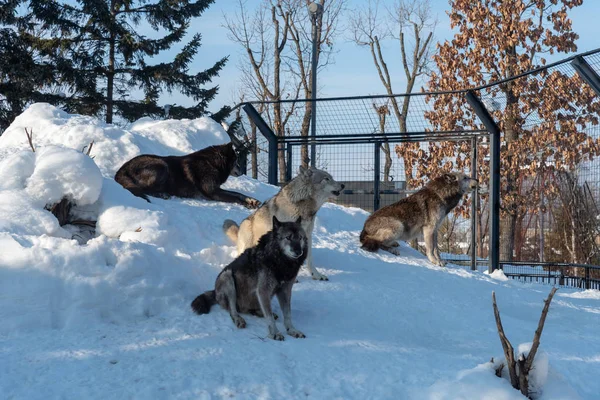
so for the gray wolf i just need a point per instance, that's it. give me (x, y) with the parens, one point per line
(421, 212)
(196, 175)
(301, 197)
(269, 269)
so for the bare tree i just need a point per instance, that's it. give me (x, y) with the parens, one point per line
(276, 39)
(411, 24)
(263, 37)
(299, 60)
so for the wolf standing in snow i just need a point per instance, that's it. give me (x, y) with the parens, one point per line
(421, 212)
(248, 284)
(196, 175)
(301, 197)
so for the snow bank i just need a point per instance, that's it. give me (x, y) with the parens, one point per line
(108, 315)
(113, 146)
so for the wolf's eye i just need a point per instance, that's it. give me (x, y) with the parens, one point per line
(326, 179)
(289, 237)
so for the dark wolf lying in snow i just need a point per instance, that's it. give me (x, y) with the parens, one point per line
(248, 284)
(196, 175)
(421, 212)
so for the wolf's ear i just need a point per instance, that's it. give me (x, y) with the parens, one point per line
(304, 171)
(276, 223)
(299, 220)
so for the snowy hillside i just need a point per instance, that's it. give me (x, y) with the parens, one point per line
(110, 319)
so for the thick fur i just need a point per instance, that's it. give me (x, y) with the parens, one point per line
(421, 212)
(195, 175)
(301, 197)
(269, 269)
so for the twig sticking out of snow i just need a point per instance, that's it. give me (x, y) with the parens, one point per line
(509, 352)
(520, 381)
(89, 148)
(29, 134)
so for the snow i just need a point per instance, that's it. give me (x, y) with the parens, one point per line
(107, 315)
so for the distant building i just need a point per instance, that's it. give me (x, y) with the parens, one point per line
(361, 194)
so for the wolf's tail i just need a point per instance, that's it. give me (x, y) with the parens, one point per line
(231, 229)
(368, 243)
(203, 303)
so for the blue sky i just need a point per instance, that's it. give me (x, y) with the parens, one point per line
(352, 72)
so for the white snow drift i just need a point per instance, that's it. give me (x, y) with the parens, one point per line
(109, 317)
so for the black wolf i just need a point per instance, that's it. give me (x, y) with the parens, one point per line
(196, 175)
(248, 284)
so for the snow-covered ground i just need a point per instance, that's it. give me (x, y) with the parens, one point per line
(110, 318)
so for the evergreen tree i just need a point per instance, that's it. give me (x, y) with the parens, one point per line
(101, 54)
(24, 78)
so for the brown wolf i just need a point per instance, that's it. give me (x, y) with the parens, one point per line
(196, 175)
(421, 212)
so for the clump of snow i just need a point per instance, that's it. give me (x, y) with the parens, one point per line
(61, 172)
(497, 275)
(538, 375)
(113, 146)
(108, 315)
(481, 383)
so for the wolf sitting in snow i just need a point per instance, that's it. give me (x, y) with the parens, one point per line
(303, 196)
(196, 175)
(248, 284)
(421, 212)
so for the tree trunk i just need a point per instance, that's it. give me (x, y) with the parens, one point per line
(110, 76)
(279, 132)
(388, 162)
(306, 120)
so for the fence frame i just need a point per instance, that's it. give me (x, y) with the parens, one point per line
(286, 143)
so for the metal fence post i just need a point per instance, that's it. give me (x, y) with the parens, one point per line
(376, 177)
(587, 278)
(288, 165)
(494, 192)
(474, 205)
(587, 73)
(271, 138)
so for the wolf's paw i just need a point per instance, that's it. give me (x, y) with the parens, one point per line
(295, 333)
(393, 250)
(252, 203)
(317, 276)
(439, 263)
(239, 322)
(276, 336)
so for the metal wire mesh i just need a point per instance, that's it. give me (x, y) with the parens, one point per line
(353, 135)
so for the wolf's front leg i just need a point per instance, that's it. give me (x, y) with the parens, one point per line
(264, 299)
(430, 246)
(234, 197)
(285, 299)
(436, 249)
(316, 275)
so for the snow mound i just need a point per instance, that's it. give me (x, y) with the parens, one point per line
(113, 146)
(108, 315)
(481, 383)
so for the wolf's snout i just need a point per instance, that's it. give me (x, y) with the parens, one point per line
(236, 170)
(474, 184)
(338, 192)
